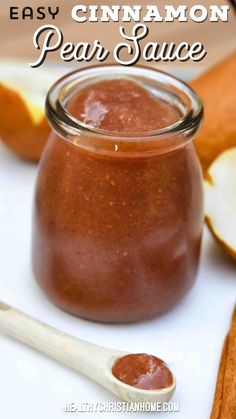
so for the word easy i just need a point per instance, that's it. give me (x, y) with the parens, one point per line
(31, 13)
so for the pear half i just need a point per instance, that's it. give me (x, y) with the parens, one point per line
(220, 200)
(23, 125)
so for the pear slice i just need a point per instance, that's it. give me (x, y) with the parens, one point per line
(220, 200)
(216, 87)
(23, 125)
(31, 85)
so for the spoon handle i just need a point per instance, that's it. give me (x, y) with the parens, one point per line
(84, 357)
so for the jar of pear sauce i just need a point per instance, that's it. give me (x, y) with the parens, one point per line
(117, 239)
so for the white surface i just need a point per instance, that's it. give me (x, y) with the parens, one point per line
(189, 338)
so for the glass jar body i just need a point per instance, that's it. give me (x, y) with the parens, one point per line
(116, 239)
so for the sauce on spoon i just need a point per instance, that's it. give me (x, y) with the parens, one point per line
(143, 371)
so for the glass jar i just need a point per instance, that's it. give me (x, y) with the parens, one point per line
(118, 217)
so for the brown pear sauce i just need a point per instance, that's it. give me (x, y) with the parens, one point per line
(143, 371)
(121, 106)
(117, 236)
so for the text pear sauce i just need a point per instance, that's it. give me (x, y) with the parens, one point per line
(117, 239)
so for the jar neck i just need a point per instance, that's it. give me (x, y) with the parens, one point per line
(161, 85)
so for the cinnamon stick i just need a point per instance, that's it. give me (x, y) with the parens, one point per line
(224, 405)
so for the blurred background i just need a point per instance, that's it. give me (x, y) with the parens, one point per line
(16, 35)
(23, 89)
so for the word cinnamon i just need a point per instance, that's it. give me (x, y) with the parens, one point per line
(224, 405)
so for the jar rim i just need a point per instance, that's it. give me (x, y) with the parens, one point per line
(64, 123)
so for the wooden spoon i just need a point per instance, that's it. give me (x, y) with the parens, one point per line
(86, 358)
